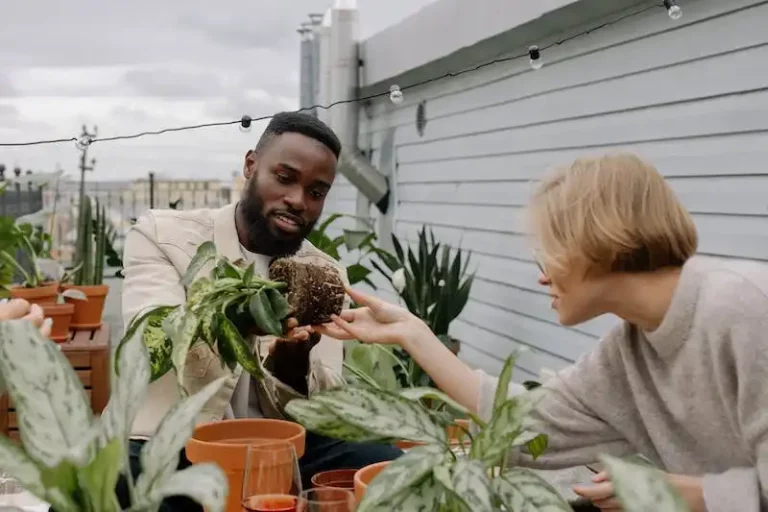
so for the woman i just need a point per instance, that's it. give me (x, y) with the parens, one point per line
(682, 380)
(20, 308)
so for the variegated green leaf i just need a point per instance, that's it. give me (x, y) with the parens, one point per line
(472, 485)
(497, 437)
(641, 488)
(182, 330)
(502, 390)
(197, 291)
(522, 490)
(160, 455)
(402, 473)
(149, 323)
(383, 414)
(425, 496)
(100, 477)
(205, 483)
(418, 394)
(319, 419)
(51, 405)
(205, 253)
(16, 463)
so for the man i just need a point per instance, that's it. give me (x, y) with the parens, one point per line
(288, 177)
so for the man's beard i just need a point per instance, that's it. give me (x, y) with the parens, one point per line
(260, 237)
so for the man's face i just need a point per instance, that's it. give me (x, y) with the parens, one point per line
(286, 186)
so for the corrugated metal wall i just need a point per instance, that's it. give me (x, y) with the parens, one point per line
(692, 96)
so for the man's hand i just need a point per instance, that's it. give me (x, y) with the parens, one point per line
(288, 357)
(20, 308)
(602, 496)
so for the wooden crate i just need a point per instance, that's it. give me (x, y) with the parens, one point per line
(88, 352)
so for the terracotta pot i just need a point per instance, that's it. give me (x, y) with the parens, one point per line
(453, 432)
(226, 442)
(336, 479)
(45, 294)
(365, 476)
(88, 312)
(61, 314)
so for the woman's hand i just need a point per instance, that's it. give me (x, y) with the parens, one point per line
(602, 495)
(20, 308)
(376, 321)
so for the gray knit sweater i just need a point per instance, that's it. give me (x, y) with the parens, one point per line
(692, 396)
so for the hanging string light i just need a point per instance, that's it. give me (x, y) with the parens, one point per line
(395, 92)
(673, 10)
(534, 57)
(245, 123)
(395, 95)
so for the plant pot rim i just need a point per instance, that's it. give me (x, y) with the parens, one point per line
(360, 485)
(45, 284)
(88, 289)
(60, 309)
(339, 475)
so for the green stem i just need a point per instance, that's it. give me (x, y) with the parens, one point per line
(361, 375)
(397, 361)
(15, 264)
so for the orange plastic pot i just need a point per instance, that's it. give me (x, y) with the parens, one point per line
(454, 432)
(88, 312)
(45, 294)
(335, 479)
(365, 476)
(225, 443)
(61, 315)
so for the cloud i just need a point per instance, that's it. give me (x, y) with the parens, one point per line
(176, 82)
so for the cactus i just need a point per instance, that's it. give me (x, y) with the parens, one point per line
(91, 245)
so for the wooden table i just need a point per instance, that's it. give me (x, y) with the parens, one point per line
(89, 354)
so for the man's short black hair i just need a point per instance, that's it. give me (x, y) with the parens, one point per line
(305, 124)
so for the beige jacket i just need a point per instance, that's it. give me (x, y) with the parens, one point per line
(158, 250)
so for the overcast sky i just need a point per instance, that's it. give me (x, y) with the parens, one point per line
(134, 66)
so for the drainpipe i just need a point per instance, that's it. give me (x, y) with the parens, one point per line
(323, 36)
(306, 69)
(343, 84)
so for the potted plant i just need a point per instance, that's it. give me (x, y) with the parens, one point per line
(72, 460)
(17, 244)
(434, 283)
(473, 477)
(88, 276)
(61, 313)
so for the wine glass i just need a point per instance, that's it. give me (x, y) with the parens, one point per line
(271, 478)
(326, 499)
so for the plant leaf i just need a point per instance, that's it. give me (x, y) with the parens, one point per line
(100, 476)
(280, 306)
(357, 273)
(74, 294)
(418, 394)
(535, 443)
(248, 275)
(402, 473)
(374, 362)
(183, 329)
(229, 334)
(497, 436)
(472, 486)
(502, 390)
(205, 253)
(522, 489)
(14, 462)
(382, 413)
(51, 405)
(150, 322)
(425, 496)
(319, 419)
(160, 455)
(263, 314)
(641, 488)
(205, 483)
(354, 239)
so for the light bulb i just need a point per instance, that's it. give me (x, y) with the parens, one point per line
(245, 124)
(395, 95)
(83, 142)
(535, 57)
(675, 11)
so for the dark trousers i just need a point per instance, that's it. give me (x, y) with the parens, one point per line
(321, 454)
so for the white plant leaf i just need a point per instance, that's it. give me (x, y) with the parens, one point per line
(383, 414)
(181, 327)
(16, 463)
(160, 455)
(402, 473)
(522, 489)
(641, 488)
(205, 483)
(129, 389)
(471, 485)
(51, 405)
(75, 294)
(320, 419)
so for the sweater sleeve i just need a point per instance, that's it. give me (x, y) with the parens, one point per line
(566, 413)
(745, 489)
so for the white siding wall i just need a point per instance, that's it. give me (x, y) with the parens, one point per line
(341, 199)
(692, 96)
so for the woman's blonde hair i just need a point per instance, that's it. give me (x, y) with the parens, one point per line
(613, 212)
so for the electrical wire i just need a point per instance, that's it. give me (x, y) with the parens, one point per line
(532, 53)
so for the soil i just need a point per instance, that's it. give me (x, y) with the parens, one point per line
(315, 292)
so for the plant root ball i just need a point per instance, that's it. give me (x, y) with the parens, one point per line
(315, 292)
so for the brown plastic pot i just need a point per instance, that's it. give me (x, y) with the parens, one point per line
(61, 315)
(335, 479)
(45, 294)
(453, 432)
(225, 443)
(88, 313)
(365, 476)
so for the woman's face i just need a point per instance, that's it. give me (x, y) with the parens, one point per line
(577, 294)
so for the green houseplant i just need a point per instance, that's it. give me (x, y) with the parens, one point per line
(72, 460)
(22, 240)
(357, 242)
(474, 477)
